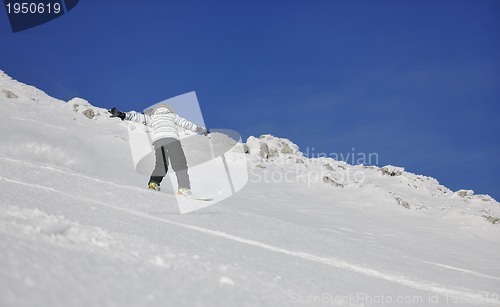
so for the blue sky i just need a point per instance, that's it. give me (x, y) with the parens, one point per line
(417, 82)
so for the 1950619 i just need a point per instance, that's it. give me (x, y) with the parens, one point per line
(33, 8)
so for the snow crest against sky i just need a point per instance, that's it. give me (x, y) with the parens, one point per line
(416, 82)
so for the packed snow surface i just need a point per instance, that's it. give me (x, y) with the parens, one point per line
(79, 228)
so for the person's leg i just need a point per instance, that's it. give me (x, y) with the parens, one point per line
(161, 165)
(179, 163)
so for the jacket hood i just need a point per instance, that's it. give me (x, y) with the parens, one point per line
(157, 107)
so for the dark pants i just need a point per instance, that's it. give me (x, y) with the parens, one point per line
(170, 149)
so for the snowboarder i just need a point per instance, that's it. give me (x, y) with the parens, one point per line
(164, 122)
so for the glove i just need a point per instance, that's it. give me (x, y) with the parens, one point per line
(116, 113)
(202, 130)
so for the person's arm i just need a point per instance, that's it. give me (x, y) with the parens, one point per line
(186, 124)
(138, 118)
(130, 116)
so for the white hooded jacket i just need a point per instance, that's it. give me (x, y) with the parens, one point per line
(163, 121)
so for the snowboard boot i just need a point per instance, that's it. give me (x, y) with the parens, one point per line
(154, 186)
(184, 192)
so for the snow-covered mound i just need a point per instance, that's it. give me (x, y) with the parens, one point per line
(79, 228)
(390, 184)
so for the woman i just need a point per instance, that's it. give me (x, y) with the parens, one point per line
(164, 122)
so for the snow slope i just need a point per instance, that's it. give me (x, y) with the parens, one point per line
(78, 227)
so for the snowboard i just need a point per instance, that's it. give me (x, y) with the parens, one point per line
(199, 198)
(190, 197)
